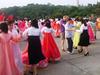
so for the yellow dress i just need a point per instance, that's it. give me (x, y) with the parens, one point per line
(76, 35)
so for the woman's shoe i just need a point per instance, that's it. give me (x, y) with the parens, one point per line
(80, 51)
(86, 54)
(26, 73)
(63, 50)
(31, 72)
(75, 47)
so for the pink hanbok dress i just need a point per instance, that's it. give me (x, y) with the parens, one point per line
(91, 33)
(16, 50)
(7, 62)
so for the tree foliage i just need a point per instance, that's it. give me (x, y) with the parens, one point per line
(52, 11)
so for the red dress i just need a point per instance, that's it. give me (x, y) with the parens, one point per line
(50, 48)
(1, 18)
(57, 33)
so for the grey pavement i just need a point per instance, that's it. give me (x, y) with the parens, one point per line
(76, 64)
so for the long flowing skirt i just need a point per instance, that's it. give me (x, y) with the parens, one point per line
(25, 59)
(50, 48)
(91, 34)
(7, 62)
(34, 50)
(17, 56)
(84, 38)
(76, 39)
(57, 30)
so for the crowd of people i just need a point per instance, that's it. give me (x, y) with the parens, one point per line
(41, 46)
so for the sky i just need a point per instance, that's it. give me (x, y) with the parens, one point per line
(10, 3)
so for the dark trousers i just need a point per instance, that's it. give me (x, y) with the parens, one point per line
(70, 44)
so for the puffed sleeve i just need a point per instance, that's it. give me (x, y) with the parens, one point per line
(42, 30)
(81, 28)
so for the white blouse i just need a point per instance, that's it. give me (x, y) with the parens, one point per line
(83, 28)
(31, 31)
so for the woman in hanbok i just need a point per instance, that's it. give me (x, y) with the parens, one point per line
(91, 33)
(53, 24)
(7, 62)
(41, 64)
(35, 54)
(57, 30)
(84, 39)
(25, 57)
(50, 48)
(15, 45)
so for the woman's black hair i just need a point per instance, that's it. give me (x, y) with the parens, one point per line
(47, 23)
(34, 23)
(42, 23)
(10, 22)
(4, 27)
(77, 19)
(84, 21)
